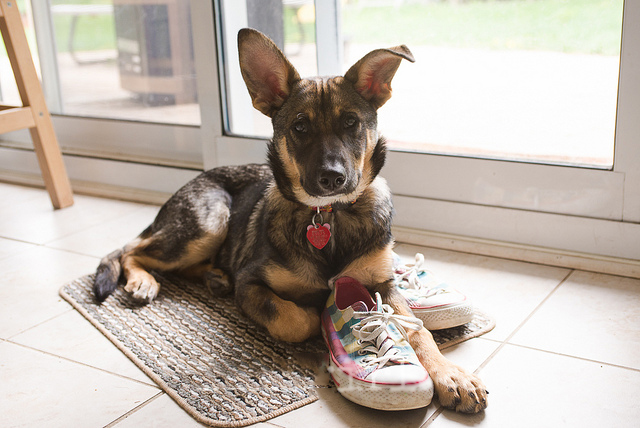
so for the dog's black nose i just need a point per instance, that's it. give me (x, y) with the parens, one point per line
(331, 180)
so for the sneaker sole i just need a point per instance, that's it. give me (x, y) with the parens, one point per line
(447, 317)
(382, 396)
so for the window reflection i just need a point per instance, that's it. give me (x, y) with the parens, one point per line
(126, 59)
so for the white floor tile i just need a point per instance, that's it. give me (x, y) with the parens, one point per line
(16, 195)
(35, 220)
(161, 412)
(9, 247)
(71, 336)
(41, 390)
(507, 290)
(106, 237)
(164, 412)
(333, 410)
(530, 388)
(472, 353)
(592, 316)
(29, 286)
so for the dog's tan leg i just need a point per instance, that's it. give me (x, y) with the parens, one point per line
(373, 268)
(456, 388)
(140, 283)
(283, 319)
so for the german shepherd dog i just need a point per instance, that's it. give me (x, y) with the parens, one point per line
(279, 235)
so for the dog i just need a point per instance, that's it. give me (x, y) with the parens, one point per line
(279, 235)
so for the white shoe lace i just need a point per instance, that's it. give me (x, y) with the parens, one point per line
(373, 332)
(409, 278)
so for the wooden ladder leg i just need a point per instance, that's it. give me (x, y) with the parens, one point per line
(43, 135)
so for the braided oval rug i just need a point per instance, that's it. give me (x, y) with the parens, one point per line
(215, 363)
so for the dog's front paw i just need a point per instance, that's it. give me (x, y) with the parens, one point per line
(459, 390)
(143, 287)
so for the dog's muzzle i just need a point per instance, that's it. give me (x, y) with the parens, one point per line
(331, 180)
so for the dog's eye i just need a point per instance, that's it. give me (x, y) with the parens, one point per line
(350, 121)
(300, 127)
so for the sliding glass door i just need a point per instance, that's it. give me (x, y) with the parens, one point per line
(518, 122)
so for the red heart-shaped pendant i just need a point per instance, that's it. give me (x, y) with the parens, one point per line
(319, 235)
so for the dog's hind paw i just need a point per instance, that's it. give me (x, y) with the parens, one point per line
(143, 287)
(459, 390)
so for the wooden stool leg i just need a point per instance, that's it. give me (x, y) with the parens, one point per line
(51, 164)
(44, 138)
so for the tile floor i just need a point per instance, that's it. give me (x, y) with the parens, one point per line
(565, 351)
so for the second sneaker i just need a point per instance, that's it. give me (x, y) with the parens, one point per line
(436, 303)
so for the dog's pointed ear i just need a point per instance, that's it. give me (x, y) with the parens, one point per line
(268, 75)
(371, 76)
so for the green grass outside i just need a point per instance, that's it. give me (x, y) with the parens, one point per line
(576, 26)
(92, 32)
(292, 28)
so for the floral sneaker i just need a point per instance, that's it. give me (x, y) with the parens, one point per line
(371, 361)
(437, 304)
